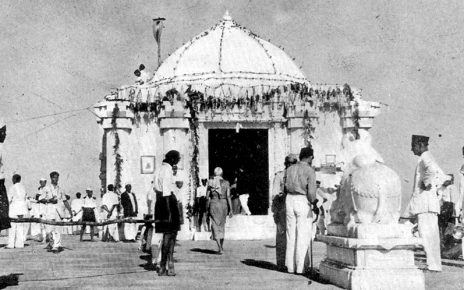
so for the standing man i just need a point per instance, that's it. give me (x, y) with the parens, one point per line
(58, 197)
(300, 184)
(129, 205)
(44, 207)
(278, 209)
(18, 209)
(425, 201)
(89, 205)
(167, 219)
(243, 189)
(110, 203)
(200, 205)
(76, 207)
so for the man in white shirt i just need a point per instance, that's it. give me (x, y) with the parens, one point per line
(89, 205)
(18, 209)
(200, 205)
(110, 203)
(425, 200)
(76, 207)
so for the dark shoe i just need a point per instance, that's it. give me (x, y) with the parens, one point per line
(162, 272)
(171, 271)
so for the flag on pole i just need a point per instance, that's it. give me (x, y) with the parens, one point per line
(157, 28)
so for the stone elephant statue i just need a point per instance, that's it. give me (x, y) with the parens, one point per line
(370, 191)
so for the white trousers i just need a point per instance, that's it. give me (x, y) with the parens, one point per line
(428, 231)
(130, 231)
(244, 203)
(36, 229)
(16, 236)
(298, 232)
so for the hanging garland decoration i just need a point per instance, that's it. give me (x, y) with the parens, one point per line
(118, 160)
(308, 128)
(194, 98)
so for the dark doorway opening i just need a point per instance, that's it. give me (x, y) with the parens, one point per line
(248, 150)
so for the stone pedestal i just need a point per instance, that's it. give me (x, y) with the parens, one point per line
(371, 263)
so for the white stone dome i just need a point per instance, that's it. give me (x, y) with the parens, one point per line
(227, 55)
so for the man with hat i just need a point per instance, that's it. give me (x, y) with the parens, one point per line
(4, 204)
(278, 209)
(88, 212)
(300, 185)
(425, 200)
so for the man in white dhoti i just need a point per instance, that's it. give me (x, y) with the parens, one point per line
(130, 208)
(425, 200)
(300, 184)
(110, 203)
(18, 209)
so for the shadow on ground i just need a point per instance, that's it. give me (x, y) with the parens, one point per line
(9, 280)
(311, 275)
(204, 251)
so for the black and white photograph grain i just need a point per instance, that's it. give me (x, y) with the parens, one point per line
(248, 144)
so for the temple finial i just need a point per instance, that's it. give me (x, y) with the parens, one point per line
(226, 16)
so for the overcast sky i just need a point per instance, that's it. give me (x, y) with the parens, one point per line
(58, 56)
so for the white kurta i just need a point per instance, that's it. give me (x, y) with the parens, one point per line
(164, 180)
(109, 200)
(425, 204)
(18, 207)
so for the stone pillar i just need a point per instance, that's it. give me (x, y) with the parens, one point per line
(122, 125)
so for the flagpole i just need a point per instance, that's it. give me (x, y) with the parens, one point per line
(157, 28)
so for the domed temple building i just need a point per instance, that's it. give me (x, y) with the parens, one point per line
(228, 98)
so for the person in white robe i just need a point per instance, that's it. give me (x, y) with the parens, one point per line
(425, 200)
(35, 206)
(76, 207)
(18, 209)
(110, 203)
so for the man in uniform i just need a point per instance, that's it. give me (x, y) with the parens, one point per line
(300, 185)
(278, 209)
(425, 200)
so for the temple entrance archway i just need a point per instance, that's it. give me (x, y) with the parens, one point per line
(247, 149)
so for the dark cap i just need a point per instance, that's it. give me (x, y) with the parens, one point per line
(306, 152)
(420, 139)
(54, 173)
(137, 72)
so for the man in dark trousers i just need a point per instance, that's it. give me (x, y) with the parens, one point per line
(129, 205)
(167, 218)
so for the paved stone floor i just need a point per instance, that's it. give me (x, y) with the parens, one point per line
(97, 265)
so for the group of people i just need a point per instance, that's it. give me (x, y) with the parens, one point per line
(165, 207)
(435, 204)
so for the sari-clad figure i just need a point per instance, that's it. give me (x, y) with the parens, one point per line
(219, 206)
